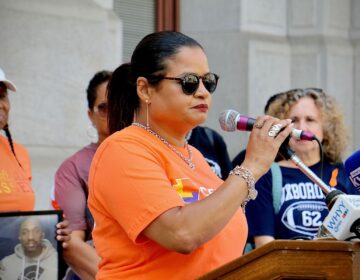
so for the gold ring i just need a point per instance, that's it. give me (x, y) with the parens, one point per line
(274, 130)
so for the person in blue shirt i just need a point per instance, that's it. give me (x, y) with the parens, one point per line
(302, 205)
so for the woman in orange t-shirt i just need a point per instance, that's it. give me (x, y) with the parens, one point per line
(16, 193)
(160, 212)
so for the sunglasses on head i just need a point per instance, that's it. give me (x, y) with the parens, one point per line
(300, 92)
(101, 109)
(190, 82)
(318, 90)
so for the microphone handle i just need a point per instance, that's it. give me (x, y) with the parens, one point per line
(313, 177)
(289, 154)
(244, 123)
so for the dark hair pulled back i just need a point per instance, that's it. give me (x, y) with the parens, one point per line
(147, 59)
(99, 78)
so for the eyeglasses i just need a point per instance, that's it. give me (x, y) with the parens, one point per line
(101, 109)
(190, 82)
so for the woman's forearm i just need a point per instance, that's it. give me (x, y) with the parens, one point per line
(81, 256)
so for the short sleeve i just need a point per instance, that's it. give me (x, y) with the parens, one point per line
(70, 195)
(131, 193)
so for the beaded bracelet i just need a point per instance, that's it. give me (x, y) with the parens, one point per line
(246, 174)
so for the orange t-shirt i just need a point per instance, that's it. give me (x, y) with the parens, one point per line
(16, 193)
(134, 178)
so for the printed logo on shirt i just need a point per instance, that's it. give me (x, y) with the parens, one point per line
(307, 211)
(304, 217)
(6, 184)
(189, 192)
(32, 272)
(307, 190)
(16, 184)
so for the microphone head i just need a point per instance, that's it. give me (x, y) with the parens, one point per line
(352, 168)
(228, 120)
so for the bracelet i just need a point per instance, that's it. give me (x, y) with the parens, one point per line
(246, 174)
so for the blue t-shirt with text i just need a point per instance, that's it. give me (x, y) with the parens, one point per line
(302, 207)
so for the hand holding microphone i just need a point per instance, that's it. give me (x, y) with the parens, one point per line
(264, 141)
(230, 120)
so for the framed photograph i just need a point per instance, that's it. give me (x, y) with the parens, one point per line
(28, 245)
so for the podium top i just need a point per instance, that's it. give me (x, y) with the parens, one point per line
(317, 259)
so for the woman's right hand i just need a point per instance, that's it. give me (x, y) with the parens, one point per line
(63, 233)
(262, 148)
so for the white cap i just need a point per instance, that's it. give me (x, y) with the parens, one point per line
(10, 85)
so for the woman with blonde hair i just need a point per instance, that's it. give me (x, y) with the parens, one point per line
(301, 208)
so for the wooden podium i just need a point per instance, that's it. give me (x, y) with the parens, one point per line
(295, 259)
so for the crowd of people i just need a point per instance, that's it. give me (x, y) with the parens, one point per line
(156, 195)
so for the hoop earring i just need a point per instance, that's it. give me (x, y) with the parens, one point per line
(147, 114)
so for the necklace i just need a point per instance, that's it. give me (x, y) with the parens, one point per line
(171, 147)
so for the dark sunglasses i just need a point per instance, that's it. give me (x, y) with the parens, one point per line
(190, 82)
(101, 109)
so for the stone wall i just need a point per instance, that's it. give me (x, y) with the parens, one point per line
(50, 49)
(261, 47)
